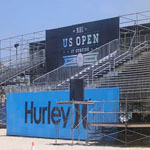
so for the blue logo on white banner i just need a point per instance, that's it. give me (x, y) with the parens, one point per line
(80, 59)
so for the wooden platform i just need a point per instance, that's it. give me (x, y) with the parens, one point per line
(121, 125)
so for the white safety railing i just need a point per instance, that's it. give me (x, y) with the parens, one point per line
(63, 73)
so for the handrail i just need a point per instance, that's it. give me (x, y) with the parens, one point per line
(137, 47)
(20, 58)
(57, 69)
(72, 61)
(50, 75)
(127, 52)
(42, 31)
(84, 73)
(21, 65)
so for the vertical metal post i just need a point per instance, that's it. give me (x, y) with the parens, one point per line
(0, 53)
(87, 126)
(119, 30)
(136, 29)
(103, 121)
(126, 140)
(72, 122)
(103, 110)
(109, 57)
(91, 76)
(1, 112)
(95, 114)
(79, 132)
(56, 130)
(79, 126)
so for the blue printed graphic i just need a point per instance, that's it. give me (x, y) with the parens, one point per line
(37, 114)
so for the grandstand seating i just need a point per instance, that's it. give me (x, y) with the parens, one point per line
(102, 73)
(122, 63)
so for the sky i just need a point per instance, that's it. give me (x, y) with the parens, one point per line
(26, 16)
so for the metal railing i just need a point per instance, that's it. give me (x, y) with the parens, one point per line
(21, 64)
(17, 45)
(137, 50)
(124, 115)
(106, 54)
(60, 77)
(63, 73)
(118, 59)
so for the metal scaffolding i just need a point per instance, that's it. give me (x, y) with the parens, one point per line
(20, 58)
(129, 117)
(134, 30)
(134, 25)
(126, 66)
(72, 116)
(118, 125)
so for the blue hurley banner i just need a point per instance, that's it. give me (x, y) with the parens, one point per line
(37, 114)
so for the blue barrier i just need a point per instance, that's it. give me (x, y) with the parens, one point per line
(37, 115)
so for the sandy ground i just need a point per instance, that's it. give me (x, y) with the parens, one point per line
(23, 143)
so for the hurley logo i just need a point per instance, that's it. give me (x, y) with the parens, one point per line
(49, 114)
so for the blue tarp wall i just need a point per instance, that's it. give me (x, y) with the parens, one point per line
(37, 115)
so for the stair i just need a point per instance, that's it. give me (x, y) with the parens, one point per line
(100, 68)
(94, 74)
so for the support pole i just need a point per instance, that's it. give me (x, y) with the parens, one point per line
(126, 139)
(72, 123)
(87, 126)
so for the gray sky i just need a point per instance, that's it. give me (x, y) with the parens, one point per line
(25, 16)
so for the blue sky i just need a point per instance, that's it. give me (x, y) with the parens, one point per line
(26, 16)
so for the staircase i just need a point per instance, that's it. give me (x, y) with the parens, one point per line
(133, 79)
(93, 73)
(117, 55)
(60, 77)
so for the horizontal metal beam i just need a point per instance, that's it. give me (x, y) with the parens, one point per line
(121, 125)
(139, 112)
(135, 13)
(76, 102)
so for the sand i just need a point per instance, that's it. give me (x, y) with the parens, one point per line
(24, 143)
